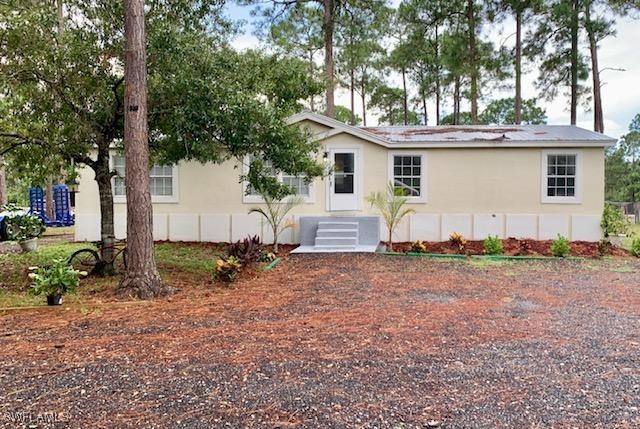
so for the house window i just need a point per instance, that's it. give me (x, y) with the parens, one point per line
(297, 184)
(162, 180)
(407, 174)
(561, 177)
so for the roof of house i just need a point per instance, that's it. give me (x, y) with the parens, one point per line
(462, 136)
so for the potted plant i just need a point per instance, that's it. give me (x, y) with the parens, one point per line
(55, 281)
(25, 229)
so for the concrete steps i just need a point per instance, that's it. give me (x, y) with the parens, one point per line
(336, 235)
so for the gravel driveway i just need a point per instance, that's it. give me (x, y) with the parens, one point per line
(342, 341)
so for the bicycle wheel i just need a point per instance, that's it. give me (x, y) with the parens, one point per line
(84, 260)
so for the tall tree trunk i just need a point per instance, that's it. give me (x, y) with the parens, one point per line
(107, 234)
(311, 73)
(424, 107)
(3, 182)
(438, 90)
(352, 88)
(598, 119)
(327, 27)
(48, 198)
(141, 276)
(574, 61)
(518, 66)
(363, 88)
(405, 105)
(473, 60)
(456, 101)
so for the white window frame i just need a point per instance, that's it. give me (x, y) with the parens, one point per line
(159, 199)
(257, 199)
(544, 174)
(422, 199)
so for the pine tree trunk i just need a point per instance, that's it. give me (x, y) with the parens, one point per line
(574, 61)
(518, 69)
(3, 182)
(352, 87)
(473, 60)
(364, 103)
(456, 101)
(438, 91)
(48, 198)
(107, 234)
(311, 69)
(405, 105)
(598, 119)
(424, 107)
(141, 276)
(327, 27)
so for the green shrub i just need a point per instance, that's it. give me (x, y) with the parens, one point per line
(58, 279)
(493, 246)
(24, 227)
(635, 247)
(418, 246)
(227, 268)
(560, 247)
(613, 221)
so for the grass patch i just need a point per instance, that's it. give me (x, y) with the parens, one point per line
(483, 263)
(192, 258)
(61, 230)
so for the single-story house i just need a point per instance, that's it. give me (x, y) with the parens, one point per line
(524, 181)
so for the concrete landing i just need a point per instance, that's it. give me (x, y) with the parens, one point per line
(359, 248)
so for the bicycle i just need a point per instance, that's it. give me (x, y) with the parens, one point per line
(93, 262)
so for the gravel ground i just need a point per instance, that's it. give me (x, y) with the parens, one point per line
(342, 341)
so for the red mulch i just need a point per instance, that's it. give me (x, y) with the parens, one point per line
(515, 247)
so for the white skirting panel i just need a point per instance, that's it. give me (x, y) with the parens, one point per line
(424, 227)
(585, 228)
(460, 223)
(184, 227)
(485, 225)
(215, 228)
(521, 226)
(243, 225)
(550, 225)
(120, 226)
(218, 227)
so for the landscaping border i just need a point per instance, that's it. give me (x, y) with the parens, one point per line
(488, 257)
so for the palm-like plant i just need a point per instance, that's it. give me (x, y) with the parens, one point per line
(391, 205)
(275, 212)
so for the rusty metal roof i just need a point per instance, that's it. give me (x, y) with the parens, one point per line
(486, 133)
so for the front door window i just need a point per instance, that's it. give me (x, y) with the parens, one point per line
(343, 173)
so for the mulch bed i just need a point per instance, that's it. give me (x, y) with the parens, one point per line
(342, 341)
(515, 247)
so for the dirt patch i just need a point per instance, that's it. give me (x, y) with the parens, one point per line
(342, 341)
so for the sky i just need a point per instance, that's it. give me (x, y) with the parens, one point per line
(620, 90)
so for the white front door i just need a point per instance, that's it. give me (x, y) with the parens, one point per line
(343, 182)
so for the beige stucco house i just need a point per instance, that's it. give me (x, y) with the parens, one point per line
(511, 181)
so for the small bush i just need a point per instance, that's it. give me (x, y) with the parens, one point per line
(493, 246)
(635, 247)
(418, 246)
(227, 268)
(58, 279)
(246, 251)
(613, 221)
(268, 257)
(24, 227)
(560, 247)
(458, 240)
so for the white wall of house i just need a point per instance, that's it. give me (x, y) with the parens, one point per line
(475, 191)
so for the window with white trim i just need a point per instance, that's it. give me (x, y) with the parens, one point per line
(407, 174)
(162, 180)
(297, 183)
(561, 176)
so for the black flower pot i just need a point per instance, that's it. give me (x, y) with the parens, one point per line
(54, 299)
